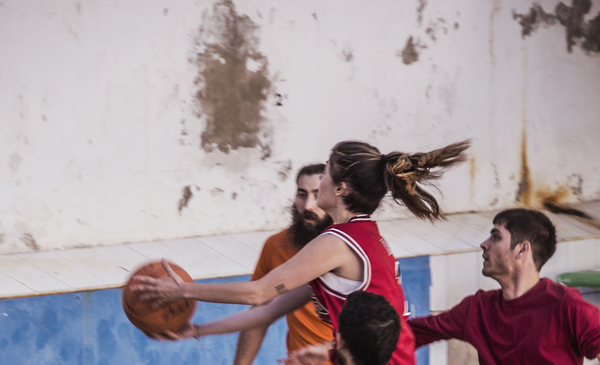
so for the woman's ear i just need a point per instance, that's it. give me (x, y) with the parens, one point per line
(342, 189)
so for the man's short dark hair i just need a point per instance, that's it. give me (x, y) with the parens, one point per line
(370, 328)
(533, 226)
(309, 170)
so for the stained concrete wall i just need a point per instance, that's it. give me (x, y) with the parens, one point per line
(126, 121)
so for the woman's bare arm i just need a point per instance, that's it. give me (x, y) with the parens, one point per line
(262, 315)
(323, 254)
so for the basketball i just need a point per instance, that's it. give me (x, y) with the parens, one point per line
(170, 316)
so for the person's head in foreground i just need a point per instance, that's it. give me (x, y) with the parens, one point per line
(368, 332)
(521, 240)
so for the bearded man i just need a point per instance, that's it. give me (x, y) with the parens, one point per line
(308, 221)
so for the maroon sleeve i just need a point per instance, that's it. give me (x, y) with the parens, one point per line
(450, 324)
(583, 324)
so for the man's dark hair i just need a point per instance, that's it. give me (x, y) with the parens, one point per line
(533, 226)
(309, 170)
(370, 328)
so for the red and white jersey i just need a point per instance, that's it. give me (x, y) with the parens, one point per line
(380, 276)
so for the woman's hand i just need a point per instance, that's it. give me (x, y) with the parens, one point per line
(309, 355)
(161, 290)
(189, 331)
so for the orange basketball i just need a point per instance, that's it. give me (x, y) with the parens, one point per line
(171, 316)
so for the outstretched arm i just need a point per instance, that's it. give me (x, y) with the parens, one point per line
(259, 315)
(249, 342)
(262, 315)
(450, 324)
(323, 254)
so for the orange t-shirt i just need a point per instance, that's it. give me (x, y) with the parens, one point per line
(304, 326)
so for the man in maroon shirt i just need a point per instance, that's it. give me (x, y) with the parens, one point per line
(528, 320)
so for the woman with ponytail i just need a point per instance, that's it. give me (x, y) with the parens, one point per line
(348, 256)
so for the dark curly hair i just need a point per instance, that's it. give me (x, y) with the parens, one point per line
(370, 327)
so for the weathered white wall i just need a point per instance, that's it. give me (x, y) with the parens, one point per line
(124, 121)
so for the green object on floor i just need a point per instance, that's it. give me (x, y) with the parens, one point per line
(588, 278)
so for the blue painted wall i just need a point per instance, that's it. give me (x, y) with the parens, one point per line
(416, 280)
(91, 328)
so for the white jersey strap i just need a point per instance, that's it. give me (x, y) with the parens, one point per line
(359, 251)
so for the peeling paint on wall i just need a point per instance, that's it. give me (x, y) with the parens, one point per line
(284, 170)
(525, 184)
(29, 241)
(233, 80)
(420, 8)
(530, 196)
(434, 29)
(409, 53)
(187, 195)
(532, 21)
(572, 19)
(557, 196)
(586, 35)
(347, 54)
(575, 183)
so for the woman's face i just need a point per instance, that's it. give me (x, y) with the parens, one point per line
(326, 197)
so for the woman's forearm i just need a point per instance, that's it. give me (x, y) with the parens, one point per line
(299, 270)
(260, 315)
(232, 293)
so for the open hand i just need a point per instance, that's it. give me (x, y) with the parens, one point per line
(161, 290)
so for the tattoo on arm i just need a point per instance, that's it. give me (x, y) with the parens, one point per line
(281, 289)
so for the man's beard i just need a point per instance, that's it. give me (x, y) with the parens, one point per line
(302, 233)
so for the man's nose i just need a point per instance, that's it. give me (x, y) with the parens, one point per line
(311, 203)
